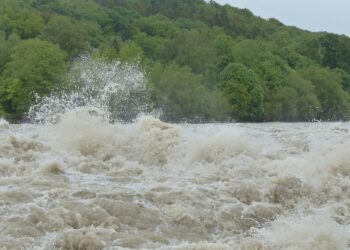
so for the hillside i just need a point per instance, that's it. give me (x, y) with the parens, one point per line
(203, 61)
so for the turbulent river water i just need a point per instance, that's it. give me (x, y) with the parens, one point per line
(87, 184)
(72, 180)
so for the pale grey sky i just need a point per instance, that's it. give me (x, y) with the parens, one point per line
(315, 15)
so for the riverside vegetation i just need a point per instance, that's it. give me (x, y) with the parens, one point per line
(203, 61)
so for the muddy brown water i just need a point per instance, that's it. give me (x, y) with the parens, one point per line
(86, 184)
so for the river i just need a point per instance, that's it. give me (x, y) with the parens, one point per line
(86, 184)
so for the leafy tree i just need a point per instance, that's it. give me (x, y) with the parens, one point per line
(251, 52)
(82, 10)
(224, 46)
(153, 46)
(6, 45)
(295, 101)
(284, 105)
(272, 71)
(244, 91)
(128, 51)
(131, 51)
(158, 26)
(18, 16)
(5, 24)
(333, 99)
(28, 24)
(181, 95)
(35, 68)
(311, 48)
(192, 48)
(345, 79)
(188, 24)
(123, 22)
(73, 37)
(330, 50)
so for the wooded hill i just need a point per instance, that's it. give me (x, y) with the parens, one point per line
(203, 61)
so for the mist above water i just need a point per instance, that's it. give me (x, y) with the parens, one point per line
(78, 181)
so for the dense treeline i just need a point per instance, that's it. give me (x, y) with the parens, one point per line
(204, 61)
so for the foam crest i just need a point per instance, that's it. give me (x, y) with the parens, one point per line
(315, 231)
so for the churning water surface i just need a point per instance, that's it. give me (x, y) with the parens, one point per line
(86, 184)
(82, 182)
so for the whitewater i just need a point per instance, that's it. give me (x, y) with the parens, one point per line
(72, 179)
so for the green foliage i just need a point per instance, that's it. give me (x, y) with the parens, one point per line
(6, 45)
(153, 46)
(345, 79)
(193, 48)
(252, 52)
(205, 61)
(73, 37)
(272, 72)
(295, 101)
(81, 10)
(333, 99)
(181, 95)
(123, 21)
(310, 47)
(130, 51)
(17, 16)
(224, 46)
(14, 98)
(35, 67)
(28, 25)
(158, 26)
(244, 91)
(188, 24)
(5, 24)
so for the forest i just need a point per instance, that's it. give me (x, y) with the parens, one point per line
(203, 61)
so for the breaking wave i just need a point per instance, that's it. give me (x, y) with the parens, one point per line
(113, 90)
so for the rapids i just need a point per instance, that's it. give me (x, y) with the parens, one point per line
(87, 184)
(72, 180)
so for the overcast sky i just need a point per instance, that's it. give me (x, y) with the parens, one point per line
(315, 15)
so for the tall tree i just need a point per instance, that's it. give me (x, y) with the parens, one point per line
(35, 68)
(244, 91)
